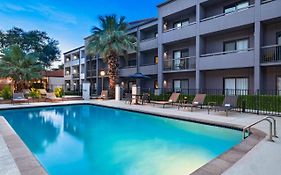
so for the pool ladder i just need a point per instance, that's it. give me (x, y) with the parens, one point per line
(272, 128)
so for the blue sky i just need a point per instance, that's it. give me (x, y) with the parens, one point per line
(69, 21)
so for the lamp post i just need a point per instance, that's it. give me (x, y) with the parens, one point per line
(102, 74)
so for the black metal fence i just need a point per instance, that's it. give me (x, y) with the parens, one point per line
(258, 102)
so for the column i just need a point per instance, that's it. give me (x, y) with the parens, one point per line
(257, 45)
(160, 54)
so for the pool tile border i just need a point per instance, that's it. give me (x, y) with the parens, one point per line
(28, 164)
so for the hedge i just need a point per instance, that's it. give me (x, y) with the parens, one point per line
(252, 102)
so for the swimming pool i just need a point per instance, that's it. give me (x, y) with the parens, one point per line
(87, 139)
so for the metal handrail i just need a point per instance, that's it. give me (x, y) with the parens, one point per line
(272, 128)
(271, 46)
(223, 14)
(175, 28)
(226, 52)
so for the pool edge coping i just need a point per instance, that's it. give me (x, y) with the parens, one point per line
(215, 166)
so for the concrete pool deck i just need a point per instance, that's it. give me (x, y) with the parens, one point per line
(264, 158)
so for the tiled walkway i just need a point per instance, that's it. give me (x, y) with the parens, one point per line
(263, 159)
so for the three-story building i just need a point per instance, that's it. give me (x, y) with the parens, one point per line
(203, 44)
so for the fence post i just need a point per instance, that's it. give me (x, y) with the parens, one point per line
(258, 102)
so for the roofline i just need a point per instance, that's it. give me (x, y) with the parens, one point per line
(164, 3)
(73, 50)
(149, 21)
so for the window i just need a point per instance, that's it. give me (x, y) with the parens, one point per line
(279, 38)
(156, 60)
(132, 62)
(242, 44)
(178, 62)
(180, 85)
(236, 7)
(236, 86)
(181, 23)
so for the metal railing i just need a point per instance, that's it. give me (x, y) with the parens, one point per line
(176, 28)
(91, 73)
(272, 128)
(271, 53)
(266, 102)
(226, 52)
(224, 14)
(187, 63)
(149, 39)
(266, 1)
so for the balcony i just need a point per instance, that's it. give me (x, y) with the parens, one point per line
(67, 76)
(127, 71)
(224, 21)
(227, 60)
(271, 54)
(270, 9)
(148, 44)
(182, 64)
(179, 33)
(76, 76)
(151, 69)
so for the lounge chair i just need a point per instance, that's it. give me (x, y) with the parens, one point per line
(229, 103)
(173, 99)
(145, 98)
(52, 97)
(197, 101)
(43, 92)
(103, 95)
(19, 98)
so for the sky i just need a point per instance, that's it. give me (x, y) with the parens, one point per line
(69, 21)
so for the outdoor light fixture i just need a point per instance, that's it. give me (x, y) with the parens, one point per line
(165, 54)
(102, 74)
(165, 83)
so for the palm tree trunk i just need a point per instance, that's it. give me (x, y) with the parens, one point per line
(112, 73)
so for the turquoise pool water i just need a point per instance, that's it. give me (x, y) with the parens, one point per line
(87, 139)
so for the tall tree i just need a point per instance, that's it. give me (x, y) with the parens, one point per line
(32, 42)
(111, 41)
(19, 66)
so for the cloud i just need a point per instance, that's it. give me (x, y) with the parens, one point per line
(46, 11)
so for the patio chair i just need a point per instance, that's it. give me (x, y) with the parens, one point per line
(52, 97)
(128, 98)
(19, 98)
(103, 95)
(229, 103)
(173, 99)
(26, 92)
(43, 92)
(197, 101)
(145, 98)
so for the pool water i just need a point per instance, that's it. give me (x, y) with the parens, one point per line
(88, 139)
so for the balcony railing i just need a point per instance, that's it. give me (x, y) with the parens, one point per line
(271, 54)
(266, 1)
(75, 75)
(176, 28)
(223, 14)
(149, 39)
(187, 63)
(226, 52)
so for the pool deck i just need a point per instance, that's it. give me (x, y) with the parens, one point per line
(264, 158)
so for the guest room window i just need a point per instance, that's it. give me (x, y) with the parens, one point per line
(236, 7)
(241, 44)
(279, 85)
(236, 86)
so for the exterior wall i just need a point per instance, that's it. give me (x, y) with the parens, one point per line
(214, 79)
(270, 31)
(187, 44)
(170, 77)
(270, 75)
(54, 82)
(147, 58)
(215, 43)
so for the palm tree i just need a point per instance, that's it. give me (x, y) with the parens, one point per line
(19, 66)
(111, 41)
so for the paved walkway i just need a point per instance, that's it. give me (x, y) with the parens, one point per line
(263, 159)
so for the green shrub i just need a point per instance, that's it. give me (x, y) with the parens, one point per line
(6, 93)
(34, 93)
(58, 92)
